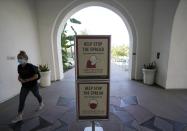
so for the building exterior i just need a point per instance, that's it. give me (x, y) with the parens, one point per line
(155, 26)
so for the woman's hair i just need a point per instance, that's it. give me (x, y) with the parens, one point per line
(22, 54)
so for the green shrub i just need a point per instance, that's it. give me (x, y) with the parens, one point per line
(151, 65)
(43, 68)
(121, 50)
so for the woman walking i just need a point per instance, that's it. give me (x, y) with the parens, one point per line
(28, 76)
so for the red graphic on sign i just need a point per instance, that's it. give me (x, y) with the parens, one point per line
(91, 63)
(93, 104)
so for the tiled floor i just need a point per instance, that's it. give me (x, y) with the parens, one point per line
(133, 107)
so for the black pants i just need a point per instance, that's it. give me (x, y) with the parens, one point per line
(23, 94)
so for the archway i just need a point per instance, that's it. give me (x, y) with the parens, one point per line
(72, 8)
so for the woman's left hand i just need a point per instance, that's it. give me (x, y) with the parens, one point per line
(23, 80)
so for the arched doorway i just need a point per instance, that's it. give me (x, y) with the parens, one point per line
(67, 12)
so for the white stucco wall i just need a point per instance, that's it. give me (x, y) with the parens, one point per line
(177, 66)
(140, 12)
(72, 8)
(18, 31)
(164, 12)
(47, 11)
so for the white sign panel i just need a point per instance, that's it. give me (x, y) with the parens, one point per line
(93, 57)
(93, 100)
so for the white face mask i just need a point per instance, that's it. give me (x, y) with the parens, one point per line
(22, 61)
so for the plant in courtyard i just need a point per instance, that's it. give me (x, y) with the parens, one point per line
(149, 71)
(122, 50)
(67, 41)
(45, 75)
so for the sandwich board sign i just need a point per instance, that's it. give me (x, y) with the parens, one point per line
(92, 76)
(93, 57)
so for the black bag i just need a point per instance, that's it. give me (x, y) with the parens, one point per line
(37, 71)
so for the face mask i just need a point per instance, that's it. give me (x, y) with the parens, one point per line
(22, 61)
